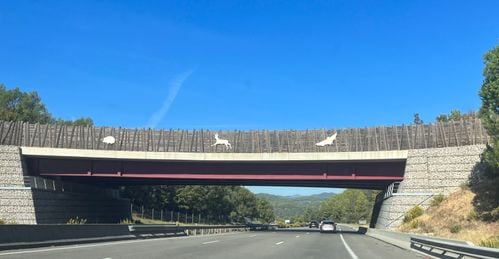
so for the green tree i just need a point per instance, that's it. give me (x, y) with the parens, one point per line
(207, 200)
(265, 210)
(16, 105)
(243, 205)
(83, 121)
(417, 119)
(311, 213)
(489, 111)
(348, 207)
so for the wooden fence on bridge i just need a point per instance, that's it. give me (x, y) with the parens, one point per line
(460, 133)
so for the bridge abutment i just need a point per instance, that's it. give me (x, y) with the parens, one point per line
(33, 200)
(428, 172)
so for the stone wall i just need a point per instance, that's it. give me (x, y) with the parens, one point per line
(22, 203)
(16, 200)
(428, 172)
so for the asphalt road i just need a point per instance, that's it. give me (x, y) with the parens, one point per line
(294, 243)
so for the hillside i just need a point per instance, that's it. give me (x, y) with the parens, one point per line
(456, 218)
(291, 206)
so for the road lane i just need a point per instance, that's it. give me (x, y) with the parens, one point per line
(295, 243)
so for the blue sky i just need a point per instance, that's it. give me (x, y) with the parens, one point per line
(248, 64)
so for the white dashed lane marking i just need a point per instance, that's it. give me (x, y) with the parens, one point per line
(278, 243)
(210, 242)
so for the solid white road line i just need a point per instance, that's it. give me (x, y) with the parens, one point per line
(278, 243)
(209, 242)
(352, 254)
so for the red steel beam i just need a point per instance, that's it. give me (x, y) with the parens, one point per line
(232, 176)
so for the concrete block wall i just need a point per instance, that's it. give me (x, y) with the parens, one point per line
(22, 204)
(428, 172)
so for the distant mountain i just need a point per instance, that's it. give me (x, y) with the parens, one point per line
(291, 206)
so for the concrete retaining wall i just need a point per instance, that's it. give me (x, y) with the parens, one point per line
(41, 233)
(428, 172)
(57, 207)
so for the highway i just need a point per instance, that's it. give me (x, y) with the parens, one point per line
(291, 243)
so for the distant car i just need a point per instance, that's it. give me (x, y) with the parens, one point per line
(313, 224)
(327, 226)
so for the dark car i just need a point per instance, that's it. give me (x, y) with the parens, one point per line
(313, 224)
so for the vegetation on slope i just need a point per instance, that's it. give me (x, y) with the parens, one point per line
(472, 213)
(294, 207)
(454, 217)
(233, 202)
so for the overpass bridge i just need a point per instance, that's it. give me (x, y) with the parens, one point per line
(419, 156)
(359, 158)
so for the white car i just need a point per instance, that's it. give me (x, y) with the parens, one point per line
(327, 226)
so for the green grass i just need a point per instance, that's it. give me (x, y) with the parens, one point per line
(492, 242)
(76, 221)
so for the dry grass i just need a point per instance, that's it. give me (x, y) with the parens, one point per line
(455, 213)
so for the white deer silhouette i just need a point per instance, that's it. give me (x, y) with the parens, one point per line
(222, 142)
(328, 141)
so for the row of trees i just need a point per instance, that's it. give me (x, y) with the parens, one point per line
(235, 202)
(454, 115)
(16, 105)
(349, 206)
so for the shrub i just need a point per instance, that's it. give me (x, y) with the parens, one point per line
(492, 242)
(437, 199)
(412, 214)
(77, 221)
(495, 214)
(5, 222)
(473, 215)
(416, 223)
(456, 229)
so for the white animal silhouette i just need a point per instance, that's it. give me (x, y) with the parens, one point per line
(109, 140)
(328, 141)
(222, 142)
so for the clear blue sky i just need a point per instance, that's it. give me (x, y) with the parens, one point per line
(248, 64)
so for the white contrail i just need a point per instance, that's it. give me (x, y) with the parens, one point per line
(175, 85)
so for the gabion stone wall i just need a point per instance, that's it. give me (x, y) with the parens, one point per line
(429, 172)
(21, 203)
(16, 200)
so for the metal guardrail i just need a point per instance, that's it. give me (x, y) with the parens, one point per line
(442, 249)
(252, 226)
(404, 137)
(188, 230)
